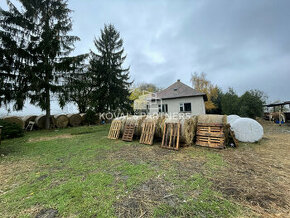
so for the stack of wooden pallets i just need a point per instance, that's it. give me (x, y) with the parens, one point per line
(210, 135)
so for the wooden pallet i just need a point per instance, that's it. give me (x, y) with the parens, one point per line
(115, 129)
(171, 134)
(210, 141)
(147, 134)
(215, 130)
(210, 135)
(128, 132)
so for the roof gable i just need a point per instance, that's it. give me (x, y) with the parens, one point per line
(179, 90)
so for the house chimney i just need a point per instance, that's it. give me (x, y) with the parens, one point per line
(178, 80)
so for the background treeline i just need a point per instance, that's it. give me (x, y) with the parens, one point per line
(250, 104)
(36, 61)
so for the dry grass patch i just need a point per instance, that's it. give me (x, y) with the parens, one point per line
(43, 139)
(142, 200)
(11, 172)
(258, 175)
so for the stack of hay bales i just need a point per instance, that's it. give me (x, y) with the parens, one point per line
(16, 120)
(74, 120)
(188, 125)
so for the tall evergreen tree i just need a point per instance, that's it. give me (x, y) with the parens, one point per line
(34, 50)
(108, 75)
(78, 88)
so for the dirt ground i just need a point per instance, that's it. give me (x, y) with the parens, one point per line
(256, 176)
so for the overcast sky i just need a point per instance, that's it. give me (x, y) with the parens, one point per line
(244, 44)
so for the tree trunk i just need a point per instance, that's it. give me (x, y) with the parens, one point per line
(82, 108)
(47, 120)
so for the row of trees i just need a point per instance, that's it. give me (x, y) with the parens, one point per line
(36, 61)
(250, 104)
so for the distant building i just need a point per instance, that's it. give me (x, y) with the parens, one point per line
(177, 98)
(141, 105)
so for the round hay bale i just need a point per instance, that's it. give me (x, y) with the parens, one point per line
(159, 121)
(40, 121)
(123, 120)
(247, 130)
(232, 118)
(27, 119)
(212, 118)
(74, 119)
(137, 120)
(60, 121)
(83, 116)
(189, 129)
(16, 120)
(89, 118)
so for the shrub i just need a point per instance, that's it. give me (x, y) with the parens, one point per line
(90, 117)
(230, 102)
(11, 130)
(251, 104)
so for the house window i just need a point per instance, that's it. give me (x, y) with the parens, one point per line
(165, 108)
(181, 107)
(185, 107)
(159, 108)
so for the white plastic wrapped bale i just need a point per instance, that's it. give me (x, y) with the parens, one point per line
(247, 130)
(233, 118)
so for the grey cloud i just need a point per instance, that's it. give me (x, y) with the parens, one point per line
(240, 44)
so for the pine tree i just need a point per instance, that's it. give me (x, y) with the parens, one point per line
(34, 50)
(109, 77)
(78, 88)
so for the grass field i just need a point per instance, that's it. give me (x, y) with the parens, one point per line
(81, 173)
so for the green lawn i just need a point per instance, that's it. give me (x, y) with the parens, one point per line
(81, 173)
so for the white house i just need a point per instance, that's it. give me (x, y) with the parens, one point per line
(177, 98)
